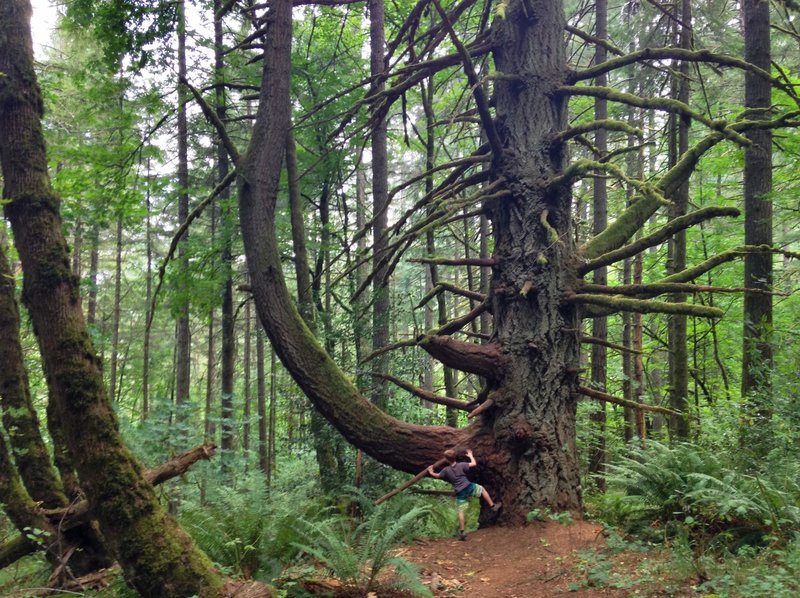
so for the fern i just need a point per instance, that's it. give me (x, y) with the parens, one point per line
(691, 485)
(357, 556)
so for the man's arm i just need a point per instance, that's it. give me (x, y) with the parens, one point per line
(433, 473)
(470, 456)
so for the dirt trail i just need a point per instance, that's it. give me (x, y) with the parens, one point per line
(537, 560)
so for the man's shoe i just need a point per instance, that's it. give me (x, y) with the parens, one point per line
(497, 506)
(462, 536)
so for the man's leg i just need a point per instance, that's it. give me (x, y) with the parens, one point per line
(492, 505)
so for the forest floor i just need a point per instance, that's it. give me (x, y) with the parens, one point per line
(543, 559)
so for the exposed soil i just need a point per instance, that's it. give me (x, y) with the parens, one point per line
(542, 559)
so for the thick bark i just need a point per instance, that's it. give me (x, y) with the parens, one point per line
(757, 348)
(19, 416)
(324, 437)
(156, 556)
(534, 420)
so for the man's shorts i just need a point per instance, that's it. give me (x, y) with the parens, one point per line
(462, 498)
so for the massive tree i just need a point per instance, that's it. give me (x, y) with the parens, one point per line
(523, 429)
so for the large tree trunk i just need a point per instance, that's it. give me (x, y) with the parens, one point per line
(156, 556)
(19, 416)
(534, 425)
(526, 442)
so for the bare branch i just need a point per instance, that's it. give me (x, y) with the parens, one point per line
(393, 347)
(725, 256)
(666, 104)
(663, 288)
(672, 53)
(213, 118)
(173, 246)
(602, 396)
(426, 395)
(457, 324)
(593, 40)
(592, 340)
(410, 482)
(480, 408)
(456, 290)
(608, 124)
(466, 261)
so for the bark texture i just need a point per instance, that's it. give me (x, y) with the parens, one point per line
(533, 424)
(157, 557)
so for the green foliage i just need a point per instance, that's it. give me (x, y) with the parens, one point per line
(356, 553)
(691, 487)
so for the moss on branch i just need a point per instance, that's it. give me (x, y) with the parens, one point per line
(666, 104)
(608, 124)
(659, 236)
(645, 306)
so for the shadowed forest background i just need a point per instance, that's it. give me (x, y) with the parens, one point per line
(279, 256)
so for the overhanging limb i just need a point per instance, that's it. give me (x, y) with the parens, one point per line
(484, 360)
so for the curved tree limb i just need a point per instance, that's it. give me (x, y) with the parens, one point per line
(593, 40)
(456, 290)
(670, 53)
(599, 341)
(398, 444)
(609, 124)
(663, 288)
(458, 323)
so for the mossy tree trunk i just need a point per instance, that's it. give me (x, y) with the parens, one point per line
(157, 557)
